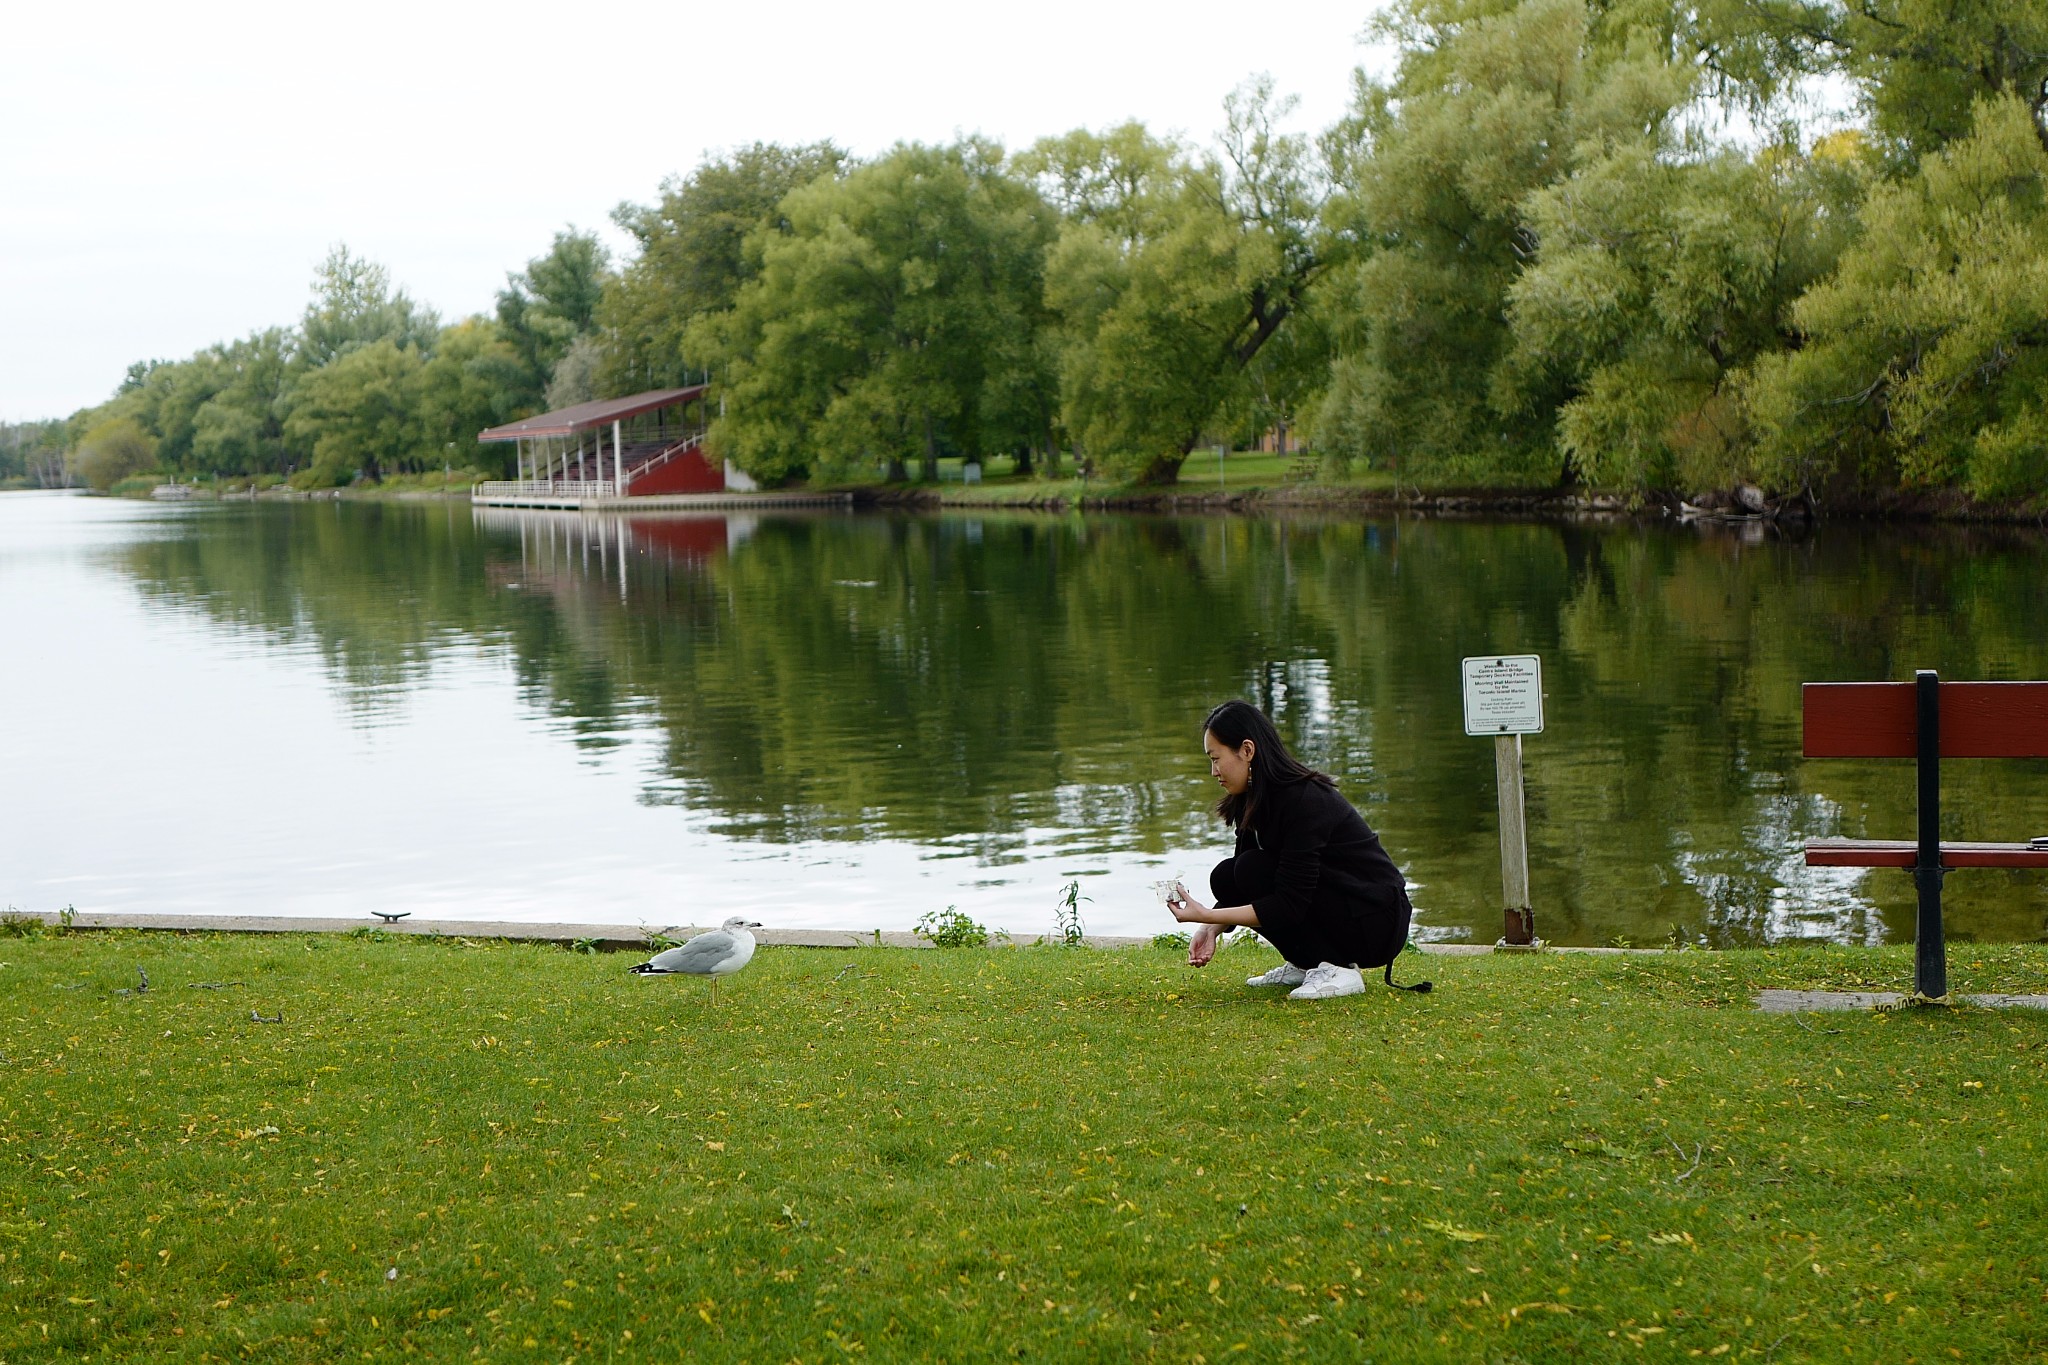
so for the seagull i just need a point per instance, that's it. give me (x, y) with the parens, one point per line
(721, 952)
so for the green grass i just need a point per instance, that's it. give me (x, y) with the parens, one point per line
(966, 1154)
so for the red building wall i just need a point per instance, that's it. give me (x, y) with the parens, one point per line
(688, 472)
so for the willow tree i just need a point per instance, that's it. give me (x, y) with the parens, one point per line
(693, 257)
(1924, 358)
(1491, 104)
(1172, 277)
(889, 322)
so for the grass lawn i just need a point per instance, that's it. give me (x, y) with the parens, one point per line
(450, 1149)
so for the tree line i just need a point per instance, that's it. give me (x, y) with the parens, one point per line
(1562, 241)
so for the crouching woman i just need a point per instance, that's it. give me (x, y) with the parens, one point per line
(1308, 874)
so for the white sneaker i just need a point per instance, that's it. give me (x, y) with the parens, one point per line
(1286, 974)
(1327, 980)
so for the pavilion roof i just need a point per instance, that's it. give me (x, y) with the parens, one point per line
(583, 416)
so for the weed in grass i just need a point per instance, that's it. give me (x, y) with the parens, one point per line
(1067, 926)
(953, 928)
(947, 1155)
(1173, 939)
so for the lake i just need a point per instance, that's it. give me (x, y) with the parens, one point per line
(849, 720)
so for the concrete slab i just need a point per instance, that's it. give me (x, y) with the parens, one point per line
(619, 937)
(1794, 1002)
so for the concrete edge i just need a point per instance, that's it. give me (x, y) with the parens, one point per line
(619, 937)
(1823, 1002)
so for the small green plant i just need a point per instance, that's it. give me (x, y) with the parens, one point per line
(1067, 916)
(14, 925)
(584, 945)
(659, 941)
(951, 928)
(1173, 939)
(67, 917)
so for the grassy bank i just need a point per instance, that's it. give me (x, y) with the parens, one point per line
(453, 1149)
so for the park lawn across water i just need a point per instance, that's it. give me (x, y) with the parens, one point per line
(968, 1154)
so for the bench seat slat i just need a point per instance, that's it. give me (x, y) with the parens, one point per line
(1904, 853)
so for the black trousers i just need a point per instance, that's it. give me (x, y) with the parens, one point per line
(1365, 934)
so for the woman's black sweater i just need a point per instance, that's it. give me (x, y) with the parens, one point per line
(1327, 864)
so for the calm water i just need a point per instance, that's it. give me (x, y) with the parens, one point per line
(848, 721)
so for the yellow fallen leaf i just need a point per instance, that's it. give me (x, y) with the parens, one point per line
(1453, 1231)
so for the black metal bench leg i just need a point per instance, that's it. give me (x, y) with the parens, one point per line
(1930, 953)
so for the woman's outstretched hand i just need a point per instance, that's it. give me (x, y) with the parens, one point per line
(1185, 908)
(1202, 944)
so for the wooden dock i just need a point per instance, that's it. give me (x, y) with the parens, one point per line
(596, 495)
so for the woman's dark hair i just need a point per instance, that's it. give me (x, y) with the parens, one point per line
(1233, 723)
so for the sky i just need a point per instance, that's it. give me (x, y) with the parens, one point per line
(173, 173)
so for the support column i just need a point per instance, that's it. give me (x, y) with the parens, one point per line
(618, 462)
(1930, 952)
(1520, 920)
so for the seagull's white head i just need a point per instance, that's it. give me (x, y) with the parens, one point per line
(741, 922)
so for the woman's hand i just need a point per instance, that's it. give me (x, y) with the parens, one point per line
(1202, 944)
(1186, 908)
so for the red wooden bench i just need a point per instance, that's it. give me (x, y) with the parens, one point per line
(1927, 720)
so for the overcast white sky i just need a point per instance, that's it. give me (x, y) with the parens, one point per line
(171, 173)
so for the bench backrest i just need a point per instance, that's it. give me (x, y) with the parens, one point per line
(1877, 720)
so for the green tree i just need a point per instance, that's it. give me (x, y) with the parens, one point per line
(362, 412)
(473, 380)
(111, 451)
(694, 256)
(32, 454)
(1925, 355)
(1657, 281)
(544, 309)
(1491, 103)
(239, 429)
(1172, 278)
(354, 305)
(891, 321)
(1920, 66)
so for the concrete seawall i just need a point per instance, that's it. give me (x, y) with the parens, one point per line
(608, 937)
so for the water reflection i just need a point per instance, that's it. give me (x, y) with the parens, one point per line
(1001, 702)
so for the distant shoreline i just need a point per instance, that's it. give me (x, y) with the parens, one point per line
(1074, 495)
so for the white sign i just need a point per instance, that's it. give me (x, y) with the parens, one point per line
(1504, 695)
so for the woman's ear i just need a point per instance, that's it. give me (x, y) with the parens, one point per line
(1246, 750)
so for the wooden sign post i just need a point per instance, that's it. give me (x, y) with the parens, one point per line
(1504, 699)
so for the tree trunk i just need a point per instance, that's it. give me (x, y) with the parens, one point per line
(1024, 460)
(930, 470)
(898, 472)
(1163, 470)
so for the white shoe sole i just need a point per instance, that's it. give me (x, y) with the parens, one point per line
(1330, 990)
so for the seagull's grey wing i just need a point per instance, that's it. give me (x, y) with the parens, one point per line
(699, 955)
